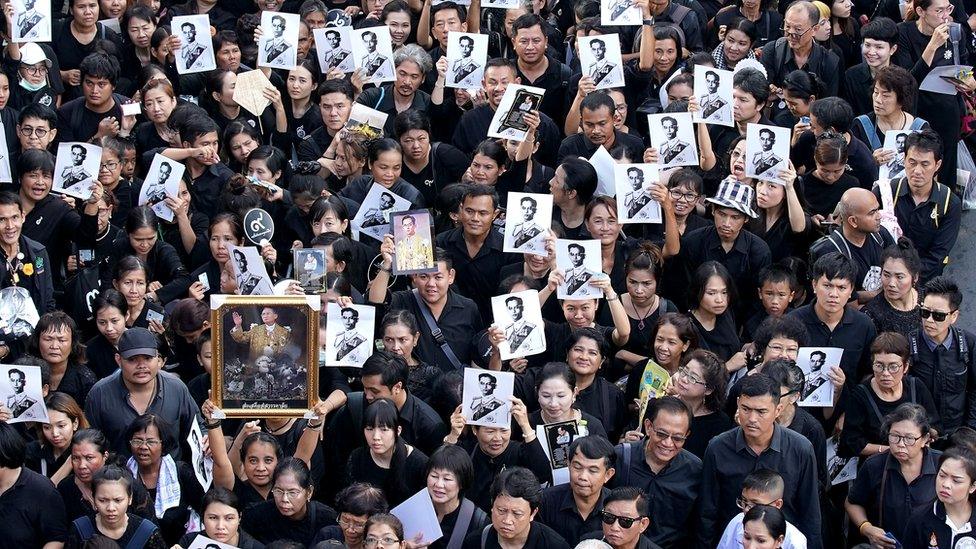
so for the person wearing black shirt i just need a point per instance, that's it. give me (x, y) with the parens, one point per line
(199, 151)
(292, 514)
(99, 111)
(879, 38)
(823, 186)
(428, 166)
(515, 499)
(575, 509)
(450, 473)
(759, 443)
(76, 38)
(835, 115)
(659, 465)
(31, 510)
(780, 57)
(334, 98)
(572, 188)
(596, 121)
(412, 64)
(625, 518)
(535, 68)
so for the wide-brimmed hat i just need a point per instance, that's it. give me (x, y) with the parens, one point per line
(736, 195)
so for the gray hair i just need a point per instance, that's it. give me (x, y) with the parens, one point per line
(413, 52)
(312, 6)
(593, 544)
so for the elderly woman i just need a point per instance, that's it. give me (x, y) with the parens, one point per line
(449, 473)
(888, 387)
(891, 486)
(57, 341)
(893, 96)
(355, 504)
(700, 383)
(293, 515)
(896, 308)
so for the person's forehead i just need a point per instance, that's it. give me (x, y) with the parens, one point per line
(622, 507)
(761, 401)
(534, 30)
(499, 73)
(505, 500)
(936, 302)
(35, 122)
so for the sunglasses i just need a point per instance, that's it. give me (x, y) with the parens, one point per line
(938, 316)
(609, 518)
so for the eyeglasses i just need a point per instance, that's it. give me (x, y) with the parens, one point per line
(795, 33)
(745, 505)
(385, 542)
(937, 316)
(28, 131)
(687, 197)
(286, 494)
(110, 166)
(620, 107)
(35, 71)
(664, 435)
(147, 442)
(352, 525)
(780, 350)
(944, 11)
(880, 367)
(686, 373)
(909, 440)
(609, 518)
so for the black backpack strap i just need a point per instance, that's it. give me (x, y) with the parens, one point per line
(462, 523)
(433, 164)
(628, 459)
(679, 14)
(85, 527)
(484, 536)
(911, 390)
(142, 535)
(356, 403)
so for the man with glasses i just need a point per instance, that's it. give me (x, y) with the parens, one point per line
(759, 443)
(942, 355)
(138, 387)
(762, 487)
(668, 474)
(574, 509)
(625, 518)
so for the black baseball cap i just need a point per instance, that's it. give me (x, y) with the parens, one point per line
(138, 341)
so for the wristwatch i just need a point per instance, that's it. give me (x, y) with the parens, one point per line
(649, 22)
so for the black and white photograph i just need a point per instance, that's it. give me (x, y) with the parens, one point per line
(413, 242)
(527, 222)
(31, 21)
(508, 121)
(196, 52)
(580, 262)
(519, 315)
(309, 267)
(363, 117)
(634, 201)
(713, 89)
(372, 50)
(559, 437)
(466, 57)
(22, 394)
(600, 59)
(673, 135)
(620, 13)
(162, 180)
(334, 48)
(767, 151)
(278, 46)
(249, 270)
(839, 469)
(203, 542)
(76, 169)
(349, 334)
(498, 4)
(894, 141)
(265, 355)
(18, 314)
(373, 217)
(486, 398)
(816, 363)
(202, 463)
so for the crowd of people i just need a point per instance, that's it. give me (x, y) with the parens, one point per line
(682, 377)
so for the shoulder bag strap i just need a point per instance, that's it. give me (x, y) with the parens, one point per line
(435, 331)
(874, 405)
(870, 131)
(142, 535)
(628, 458)
(911, 390)
(881, 494)
(462, 523)
(433, 164)
(484, 536)
(917, 124)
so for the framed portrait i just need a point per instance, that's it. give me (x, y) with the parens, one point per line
(267, 351)
(508, 122)
(413, 238)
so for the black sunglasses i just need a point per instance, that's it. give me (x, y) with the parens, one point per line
(939, 316)
(609, 518)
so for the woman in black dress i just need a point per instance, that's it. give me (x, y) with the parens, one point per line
(896, 308)
(713, 291)
(292, 515)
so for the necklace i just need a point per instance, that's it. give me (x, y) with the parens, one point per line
(280, 430)
(641, 318)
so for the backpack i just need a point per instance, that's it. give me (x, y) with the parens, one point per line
(872, 133)
(86, 530)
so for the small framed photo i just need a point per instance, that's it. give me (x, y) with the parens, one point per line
(601, 60)
(527, 225)
(620, 13)
(278, 46)
(508, 122)
(894, 140)
(713, 89)
(559, 437)
(520, 316)
(413, 240)
(334, 48)
(249, 271)
(31, 21)
(580, 262)
(349, 331)
(373, 217)
(767, 151)
(673, 135)
(162, 180)
(265, 354)
(816, 362)
(372, 120)
(634, 201)
(309, 264)
(196, 52)
(466, 57)
(76, 169)
(487, 397)
(22, 394)
(372, 50)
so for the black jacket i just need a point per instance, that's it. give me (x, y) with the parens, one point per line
(949, 374)
(929, 523)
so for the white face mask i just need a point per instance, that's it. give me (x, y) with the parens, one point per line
(24, 83)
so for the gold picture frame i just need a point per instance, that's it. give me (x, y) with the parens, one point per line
(265, 363)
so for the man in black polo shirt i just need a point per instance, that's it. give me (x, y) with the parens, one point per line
(574, 509)
(859, 238)
(830, 322)
(743, 253)
(98, 113)
(334, 98)
(661, 467)
(798, 50)
(596, 122)
(535, 68)
(475, 248)
(31, 510)
(759, 443)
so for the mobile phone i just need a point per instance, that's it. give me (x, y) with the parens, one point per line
(805, 120)
(891, 536)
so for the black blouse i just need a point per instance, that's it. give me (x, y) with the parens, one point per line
(723, 340)
(397, 485)
(268, 524)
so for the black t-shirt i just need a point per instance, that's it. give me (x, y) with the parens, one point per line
(76, 122)
(721, 340)
(821, 197)
(266, 524)
(31, 512)
(447, 164)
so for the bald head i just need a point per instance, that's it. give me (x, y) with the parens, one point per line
(859, 210)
